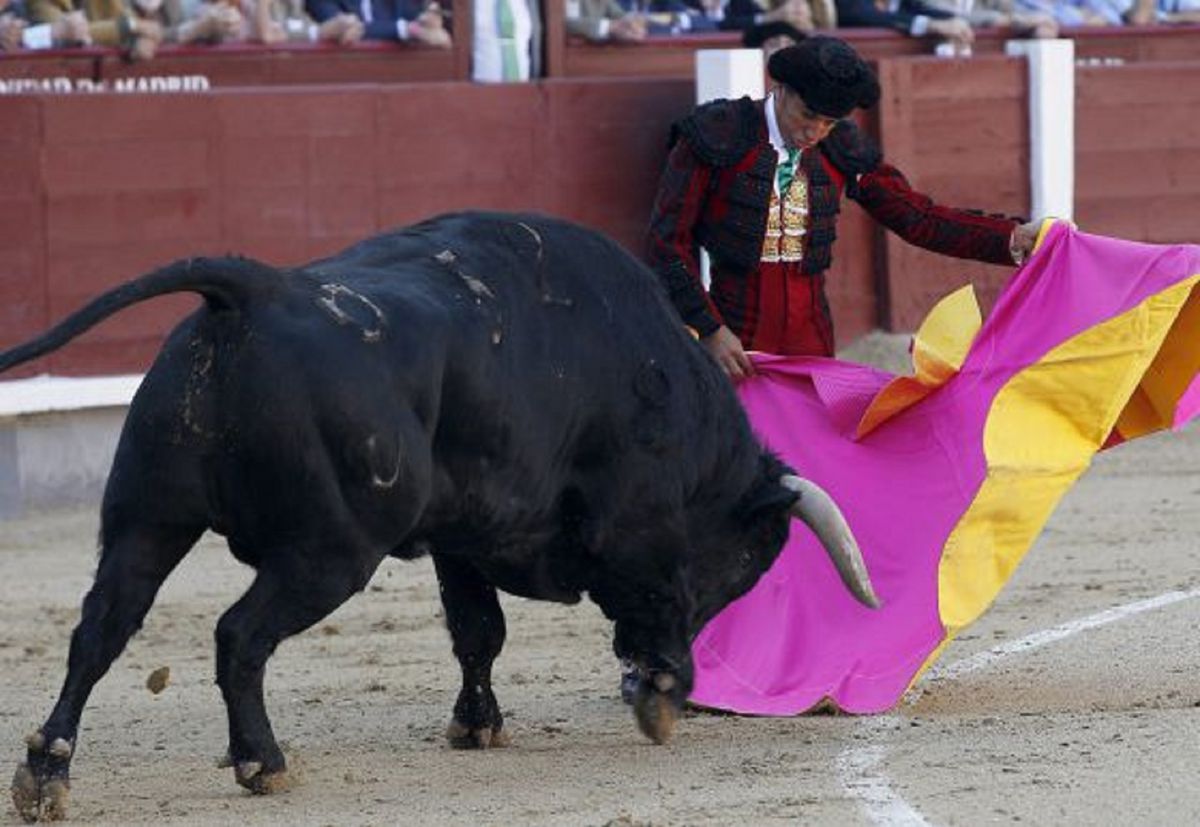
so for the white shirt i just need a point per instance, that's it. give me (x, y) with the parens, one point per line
(486, 63)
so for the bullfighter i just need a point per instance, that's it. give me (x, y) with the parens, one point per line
(758, 184)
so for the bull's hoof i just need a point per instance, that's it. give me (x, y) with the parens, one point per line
(39, 801)
(42, 785)
(462, 736)
(655, 710)
(250, 775)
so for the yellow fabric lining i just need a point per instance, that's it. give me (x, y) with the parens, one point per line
(1039, 439)
(1152, 406)
(1044, 426)
(939, 348)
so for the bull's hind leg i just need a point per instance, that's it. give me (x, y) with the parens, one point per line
(292, 592)
(476, 624)
(134, 562)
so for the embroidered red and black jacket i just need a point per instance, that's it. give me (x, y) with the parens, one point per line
(715, 192)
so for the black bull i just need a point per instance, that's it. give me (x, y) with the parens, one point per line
(512, 395)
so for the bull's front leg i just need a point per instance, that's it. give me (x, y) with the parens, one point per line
(476, 624)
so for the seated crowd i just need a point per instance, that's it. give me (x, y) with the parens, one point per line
(139, 27)
(775, 23)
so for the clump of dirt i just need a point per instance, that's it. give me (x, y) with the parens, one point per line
(159, 679)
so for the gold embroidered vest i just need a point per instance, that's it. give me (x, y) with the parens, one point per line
(787, 222)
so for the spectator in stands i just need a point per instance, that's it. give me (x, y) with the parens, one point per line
(189, 21)
(108, 22)
(17, 31)
(759, 184)
(13, 22)
(1145, 12)
(913, 17)
(628, 21)
(739, 15)
(1086, 12)
(771, 37)
(407, 21)
(1081, 12)
(604, 20)
(507, 41)
(280, 21)
(1011, 14)
(668, 17)
(141, 27)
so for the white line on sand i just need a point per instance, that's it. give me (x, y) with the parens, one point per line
(861, 767)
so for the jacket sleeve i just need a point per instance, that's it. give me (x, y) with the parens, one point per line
(381, 30)
(888, 197)
(916, 7)
(672, 252)
(322, 10)
(740, 15)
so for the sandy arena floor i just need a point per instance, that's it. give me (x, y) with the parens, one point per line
(1100, 726)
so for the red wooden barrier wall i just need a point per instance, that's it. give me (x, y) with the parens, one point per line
(958, 129)
(100, 188)
(1137, 139)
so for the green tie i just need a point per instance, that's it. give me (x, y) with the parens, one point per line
(787, 171)
(506, 28)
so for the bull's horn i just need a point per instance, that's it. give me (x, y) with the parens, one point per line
(820, 513)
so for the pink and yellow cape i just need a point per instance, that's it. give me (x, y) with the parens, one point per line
(948, 476)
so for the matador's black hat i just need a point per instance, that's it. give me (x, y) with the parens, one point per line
(828, 75)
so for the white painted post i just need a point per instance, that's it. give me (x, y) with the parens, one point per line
(1051, 125)
(727, 73)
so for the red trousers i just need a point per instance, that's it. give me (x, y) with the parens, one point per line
(789, 316)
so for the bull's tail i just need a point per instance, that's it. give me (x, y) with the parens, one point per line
(225, 283)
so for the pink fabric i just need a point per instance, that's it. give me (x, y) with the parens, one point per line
(798, 637)
(1189, 404)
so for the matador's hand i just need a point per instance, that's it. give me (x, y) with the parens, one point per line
(727, 350)
(1022, 241)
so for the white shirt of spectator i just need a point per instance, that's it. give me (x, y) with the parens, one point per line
(486, 63)
(776, 138)
(37, 37)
